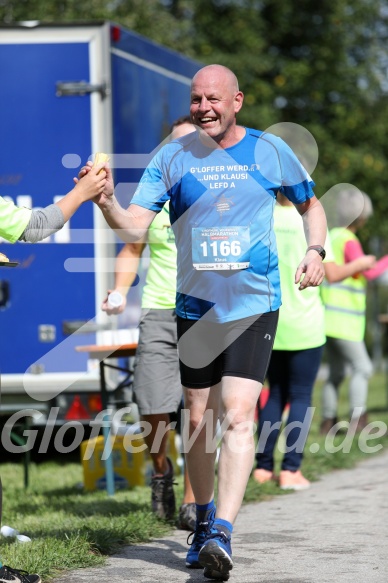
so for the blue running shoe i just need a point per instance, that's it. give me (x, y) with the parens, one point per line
(216, 556)
(199, 536)
(210, 574)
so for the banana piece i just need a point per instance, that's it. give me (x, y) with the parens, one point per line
(3, 258)
(100, 158)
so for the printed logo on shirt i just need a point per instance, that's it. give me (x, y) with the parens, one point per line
(223, 204)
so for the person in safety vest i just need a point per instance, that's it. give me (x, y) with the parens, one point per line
(345, 306)
(296, 356)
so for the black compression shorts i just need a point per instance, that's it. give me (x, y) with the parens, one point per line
(208, 351)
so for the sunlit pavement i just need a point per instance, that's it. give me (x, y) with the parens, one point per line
(337, 531)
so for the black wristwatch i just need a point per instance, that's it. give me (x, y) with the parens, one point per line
(320, 250)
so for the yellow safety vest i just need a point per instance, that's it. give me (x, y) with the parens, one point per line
(345, 302)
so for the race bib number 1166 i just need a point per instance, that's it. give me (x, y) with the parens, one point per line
(220, 247)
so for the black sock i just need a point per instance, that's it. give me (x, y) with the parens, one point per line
(203, 511)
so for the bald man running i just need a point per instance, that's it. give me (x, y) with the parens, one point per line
(222, 182)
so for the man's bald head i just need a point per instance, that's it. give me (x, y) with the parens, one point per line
(219, 73)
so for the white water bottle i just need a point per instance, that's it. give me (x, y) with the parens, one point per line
(115, 299)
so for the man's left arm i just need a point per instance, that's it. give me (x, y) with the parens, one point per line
(315, 228)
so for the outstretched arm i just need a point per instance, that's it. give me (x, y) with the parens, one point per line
(88, 187)
(45, 222)
(130, 225)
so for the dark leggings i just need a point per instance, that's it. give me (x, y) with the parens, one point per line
(291, 376)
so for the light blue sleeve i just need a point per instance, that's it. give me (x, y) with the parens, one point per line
(296, 183)
(152, 191)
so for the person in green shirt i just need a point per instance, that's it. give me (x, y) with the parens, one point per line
(297, 352)
(23, 224)
(157, 388)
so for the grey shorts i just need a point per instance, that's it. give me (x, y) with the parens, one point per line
(157, 387)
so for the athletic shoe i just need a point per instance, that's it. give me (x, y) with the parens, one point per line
(261, 476)
(8, 575)
(200, 534)
(162, 494)
(293, 480)
(210, 574)
(187, 518)
(216, 556)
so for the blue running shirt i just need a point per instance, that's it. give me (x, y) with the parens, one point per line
(221, 210)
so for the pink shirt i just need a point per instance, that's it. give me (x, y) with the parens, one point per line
(353, 250)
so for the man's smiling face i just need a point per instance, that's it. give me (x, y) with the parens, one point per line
(215, 100)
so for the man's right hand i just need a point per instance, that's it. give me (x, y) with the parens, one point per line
(107, 194)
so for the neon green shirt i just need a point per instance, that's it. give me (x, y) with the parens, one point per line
(302, 314)
(13, 220)
(160, 288)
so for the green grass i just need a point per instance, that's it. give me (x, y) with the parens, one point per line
(71, 528)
